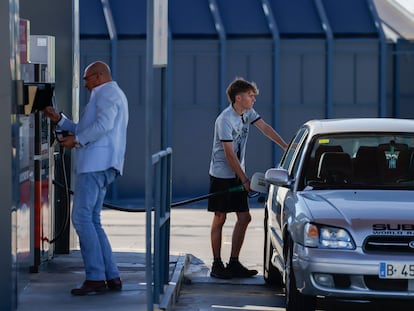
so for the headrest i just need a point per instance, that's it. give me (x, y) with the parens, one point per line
(334, 165)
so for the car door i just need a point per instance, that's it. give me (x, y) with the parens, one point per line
(282, 195)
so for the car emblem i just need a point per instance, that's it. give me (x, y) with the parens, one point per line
(411, 244)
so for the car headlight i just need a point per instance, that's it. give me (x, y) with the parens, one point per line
(327, 237)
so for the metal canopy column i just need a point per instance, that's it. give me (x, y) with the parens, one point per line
(113, 36)
(382, 80)
(396, 79)
(329, 59)
(223, 51)
(167, 105)
(276, 70)
(149, 77)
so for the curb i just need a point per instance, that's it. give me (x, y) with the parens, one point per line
(173, 288)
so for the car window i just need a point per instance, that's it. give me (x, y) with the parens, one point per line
(293, 148)
(360, 161)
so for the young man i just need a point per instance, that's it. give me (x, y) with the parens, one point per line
(227, 170)
(100, 141)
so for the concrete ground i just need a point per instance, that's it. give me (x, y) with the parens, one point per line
(190, 288)
(189, 250)
(50, 288)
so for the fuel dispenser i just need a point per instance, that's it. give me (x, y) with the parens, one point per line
(23, 196)
(38, 75)
(36, 96)
(40, 209)
(33, 172)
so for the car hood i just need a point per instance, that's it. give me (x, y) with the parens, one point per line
(363, 210)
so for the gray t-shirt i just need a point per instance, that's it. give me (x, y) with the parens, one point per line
(233, 127)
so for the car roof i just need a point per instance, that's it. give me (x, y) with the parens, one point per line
(325, 126)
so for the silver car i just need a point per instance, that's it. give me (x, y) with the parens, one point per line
(339, 216)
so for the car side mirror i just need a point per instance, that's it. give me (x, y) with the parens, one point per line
(278, 177)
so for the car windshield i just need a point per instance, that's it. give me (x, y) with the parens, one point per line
(360, 161)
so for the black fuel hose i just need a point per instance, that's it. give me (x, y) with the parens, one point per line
(68, 192)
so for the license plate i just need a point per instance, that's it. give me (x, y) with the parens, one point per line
(396, 270)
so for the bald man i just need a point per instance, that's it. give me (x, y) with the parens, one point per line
(100, 142)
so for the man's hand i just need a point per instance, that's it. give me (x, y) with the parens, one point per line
(51, 113)
(234, 163)
(68, 142)
(246, 185)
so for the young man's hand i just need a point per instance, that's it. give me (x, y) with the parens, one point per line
(246, 185)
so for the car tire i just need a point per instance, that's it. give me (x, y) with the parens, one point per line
(295, 301)
(271, 275)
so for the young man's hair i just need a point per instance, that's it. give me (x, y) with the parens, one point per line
(239, 85)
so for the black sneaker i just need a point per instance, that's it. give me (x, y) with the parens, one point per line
(237, 270)
(219, 271)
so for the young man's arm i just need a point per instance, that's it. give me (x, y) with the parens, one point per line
(267, 130)
(234, 163)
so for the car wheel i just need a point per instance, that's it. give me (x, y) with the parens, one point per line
(271, 274)
(295, 301)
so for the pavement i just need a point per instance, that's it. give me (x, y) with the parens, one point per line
(200, 292)
(190, 287)
(49, 289)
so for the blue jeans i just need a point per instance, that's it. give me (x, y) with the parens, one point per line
(90, 190)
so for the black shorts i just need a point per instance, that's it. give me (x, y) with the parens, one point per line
(228, 202)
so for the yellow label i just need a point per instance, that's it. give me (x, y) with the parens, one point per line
(323, 141)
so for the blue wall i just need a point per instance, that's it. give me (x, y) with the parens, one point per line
(300, 72)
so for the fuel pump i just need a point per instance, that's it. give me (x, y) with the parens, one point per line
(38, 92)
(37, 95)
(51, 189)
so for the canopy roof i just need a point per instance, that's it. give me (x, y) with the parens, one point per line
(250, 18)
